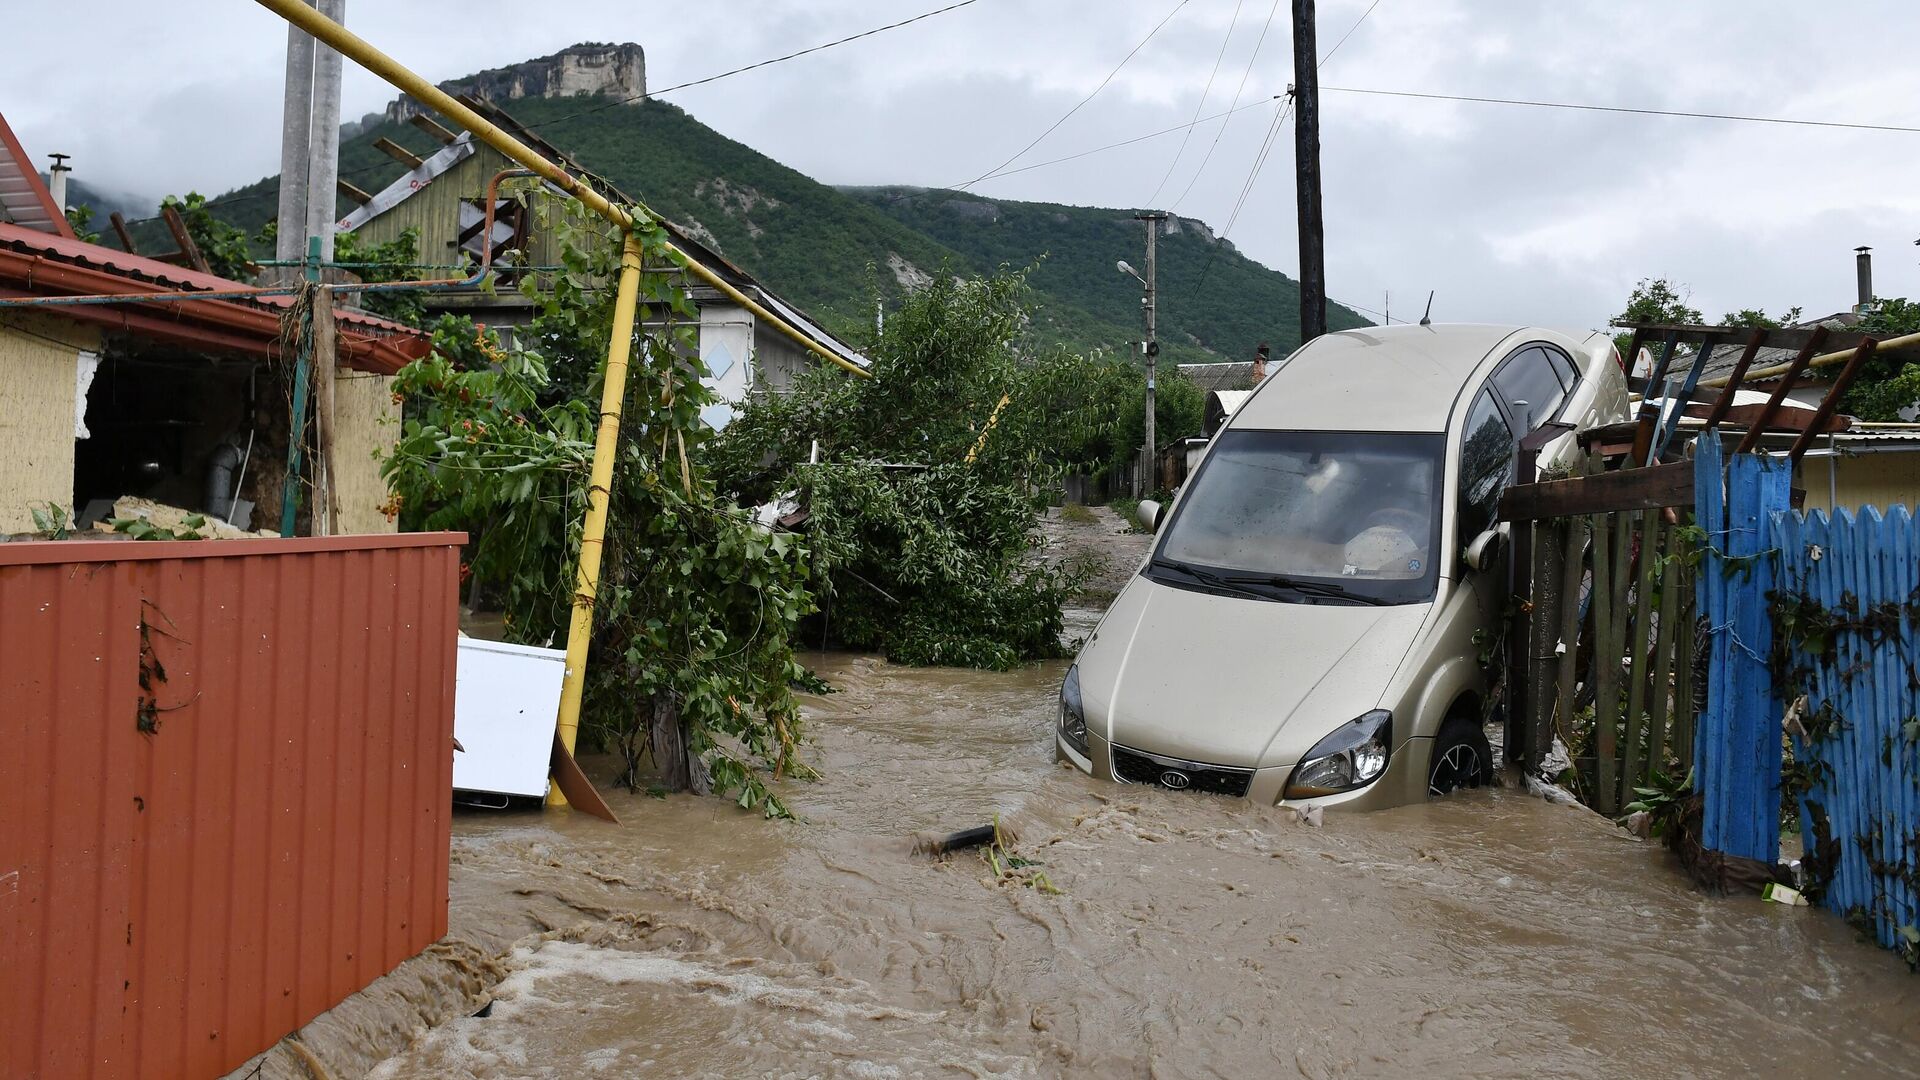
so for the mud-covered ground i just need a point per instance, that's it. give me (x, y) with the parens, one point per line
(1487, 935)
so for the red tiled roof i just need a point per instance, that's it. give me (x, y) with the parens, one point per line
(27, 255)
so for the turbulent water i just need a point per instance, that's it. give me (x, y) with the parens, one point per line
(1489, 934)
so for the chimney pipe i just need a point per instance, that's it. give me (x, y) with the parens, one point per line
(57, 180)
(1863, 270)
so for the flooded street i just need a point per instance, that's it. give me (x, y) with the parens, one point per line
(1490, 934)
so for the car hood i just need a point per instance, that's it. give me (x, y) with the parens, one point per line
(1235, 681)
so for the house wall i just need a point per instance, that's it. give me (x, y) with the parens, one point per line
(1882, 479)
(366, 423)
(37, 390)
(777, 360)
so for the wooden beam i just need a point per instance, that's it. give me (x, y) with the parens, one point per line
(1745, 416)
(1647, 488)
(188, 249)
(398, 153)
(352, 192)
(120, 229)
(432, 128)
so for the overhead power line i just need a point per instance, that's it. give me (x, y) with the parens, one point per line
(1051, 128)
(1202, 103)
(1851, 126)
(1215, 145)
(765, 63)
(1130, 142)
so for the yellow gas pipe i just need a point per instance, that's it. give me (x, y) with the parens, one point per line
(619, 349)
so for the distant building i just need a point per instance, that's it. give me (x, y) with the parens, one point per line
(1229, 376)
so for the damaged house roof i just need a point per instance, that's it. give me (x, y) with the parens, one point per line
(465, 145)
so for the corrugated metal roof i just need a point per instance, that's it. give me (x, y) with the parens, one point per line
(152, 271)
(176, 900)
(24, 200)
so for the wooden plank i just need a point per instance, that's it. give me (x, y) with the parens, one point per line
(1629, 489)
(119, 222)
(1643, 578)
(1785, 337)
(1606, 666)
(398, 153)
(1543, 624)
(1746, 416)
(352, 192)
(1567, 673)
(181, 237)
(432, 127)
(1660, 669)
(1683, 675)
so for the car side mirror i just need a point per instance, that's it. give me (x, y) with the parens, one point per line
(1484, 550)
(1149, 513)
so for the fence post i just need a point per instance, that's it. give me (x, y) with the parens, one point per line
(1649, 556)
(1542, 623)
(1606, 669)
(1739, 735)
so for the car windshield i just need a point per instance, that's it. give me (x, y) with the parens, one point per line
(1309, 516)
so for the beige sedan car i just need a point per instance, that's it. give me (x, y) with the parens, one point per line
(1307, 628)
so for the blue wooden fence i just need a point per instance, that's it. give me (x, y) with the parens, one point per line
(1847, 595)
(1737, 741)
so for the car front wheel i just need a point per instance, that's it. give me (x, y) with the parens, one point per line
(1462, 757)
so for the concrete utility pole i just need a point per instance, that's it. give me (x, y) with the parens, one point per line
(296, 130)
(323, 139)
(1149, 304)
(1306, 164)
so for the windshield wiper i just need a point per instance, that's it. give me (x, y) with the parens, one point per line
(1208, 577)
(1311, 588)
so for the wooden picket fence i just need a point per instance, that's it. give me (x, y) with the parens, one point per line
(1609, 649)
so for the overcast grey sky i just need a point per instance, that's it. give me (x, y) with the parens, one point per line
(1513, 215)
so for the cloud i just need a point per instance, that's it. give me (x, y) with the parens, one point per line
(1511, 214)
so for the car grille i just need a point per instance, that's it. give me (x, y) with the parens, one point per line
(1138, 767)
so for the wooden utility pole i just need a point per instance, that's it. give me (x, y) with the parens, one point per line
(1152, 346)
(1306, 167)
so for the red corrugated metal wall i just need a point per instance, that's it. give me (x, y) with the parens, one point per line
(174, 901)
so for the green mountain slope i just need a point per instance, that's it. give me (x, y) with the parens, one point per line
(831, 250)
(1211, 297)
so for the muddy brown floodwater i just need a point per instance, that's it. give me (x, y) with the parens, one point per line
(1490, 934)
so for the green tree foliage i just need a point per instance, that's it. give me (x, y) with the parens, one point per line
(923, 497)
(1654, 300)
(697, 605)
(394, 260)
(223, 245)
(1886, 386)
(1756, 319)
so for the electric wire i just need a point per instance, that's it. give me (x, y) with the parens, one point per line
(1215, 145)
(612, 102)
(1851, 126)
(1266, 148)
(1232, 24)
(1051, 128)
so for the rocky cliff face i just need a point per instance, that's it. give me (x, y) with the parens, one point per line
(588, 68)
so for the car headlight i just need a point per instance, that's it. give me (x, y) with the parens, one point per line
(1073, 718)
(1353, 756)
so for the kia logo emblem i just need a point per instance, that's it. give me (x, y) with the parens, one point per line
(1175, 779)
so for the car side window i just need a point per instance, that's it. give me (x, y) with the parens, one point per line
(1562, 363)
(1486, 464)
(1529, 376)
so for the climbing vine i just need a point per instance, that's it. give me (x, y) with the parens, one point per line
(1816, 648)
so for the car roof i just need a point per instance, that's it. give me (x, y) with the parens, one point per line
(1380, 378)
